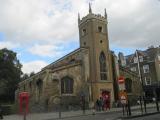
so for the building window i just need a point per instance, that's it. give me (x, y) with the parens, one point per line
(140, 58)
(67, 85)
(39, 84)
(146, 68)
(128, 85)
(103, 69)
(135, 60)
(99, 28)
(133, 69)
(148, 80)
(83, 32)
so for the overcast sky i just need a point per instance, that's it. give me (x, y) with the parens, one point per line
(41, 31)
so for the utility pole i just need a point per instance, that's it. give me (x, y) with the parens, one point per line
(142, 84)
(139, 70)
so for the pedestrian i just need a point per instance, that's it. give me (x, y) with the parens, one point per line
(98, 105)
(101, 103)
(1, 114)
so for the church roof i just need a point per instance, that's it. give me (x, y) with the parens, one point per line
(64, 57)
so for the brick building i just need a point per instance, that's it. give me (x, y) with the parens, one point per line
(145, 64)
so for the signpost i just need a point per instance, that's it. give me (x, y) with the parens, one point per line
(122, 93)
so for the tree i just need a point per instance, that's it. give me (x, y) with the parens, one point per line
(10, 72)
(32, 74)
(24, 76)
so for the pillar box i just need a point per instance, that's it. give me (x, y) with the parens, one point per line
(23, 102)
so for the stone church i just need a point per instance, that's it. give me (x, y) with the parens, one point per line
(86, 73)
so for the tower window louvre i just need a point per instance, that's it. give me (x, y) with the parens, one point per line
(99, 28)
(83, 32)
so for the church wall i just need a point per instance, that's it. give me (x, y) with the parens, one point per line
(73, 72)
(47, 97)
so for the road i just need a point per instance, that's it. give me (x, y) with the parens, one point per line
(112, 117)
(150, 117)
(112, 114)
(102, 116)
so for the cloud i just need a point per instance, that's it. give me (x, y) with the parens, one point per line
(132, 23)
(37, 20)
(45, 50)
(35, 66)
(48, 26)
(8, 45)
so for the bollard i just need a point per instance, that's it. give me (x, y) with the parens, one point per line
(140, 99)
(129, 109)
(144, 104)
(123, 109)
(83, 103)
(24, 116)
(60, 109)
(157, 105)
(156, 100)
(83, 106)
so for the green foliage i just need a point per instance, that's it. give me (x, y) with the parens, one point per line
(24, 76)
(32, 74)
(10, 72)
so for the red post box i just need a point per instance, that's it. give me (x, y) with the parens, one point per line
(23, 102)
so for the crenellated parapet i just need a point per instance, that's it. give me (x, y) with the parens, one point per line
(92, 16)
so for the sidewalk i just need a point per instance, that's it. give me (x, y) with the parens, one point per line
(54, 115)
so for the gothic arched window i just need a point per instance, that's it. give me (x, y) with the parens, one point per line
(103, 69)
(39, 84)
(67, 85)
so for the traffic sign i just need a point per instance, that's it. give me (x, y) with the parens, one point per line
(123, 97)
(121, 80)
(123, 100)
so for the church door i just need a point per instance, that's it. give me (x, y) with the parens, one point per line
(106, 99)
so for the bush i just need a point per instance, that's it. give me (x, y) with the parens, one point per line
(8, 109)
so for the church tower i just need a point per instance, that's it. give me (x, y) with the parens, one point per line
(93, 35)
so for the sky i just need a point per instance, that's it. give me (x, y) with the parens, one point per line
(41, 31)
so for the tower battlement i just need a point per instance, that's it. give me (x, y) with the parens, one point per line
(92, 16)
